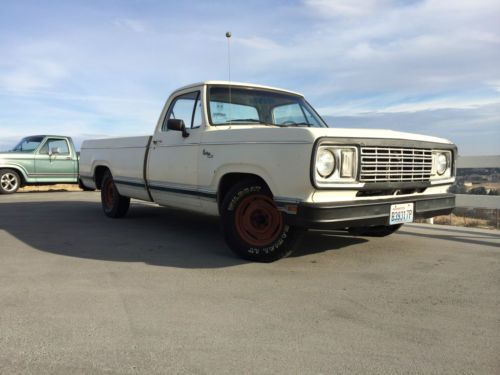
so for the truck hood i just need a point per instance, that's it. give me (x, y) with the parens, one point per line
(304, 134)
(15, 155)
(7, 155)
(373, 133)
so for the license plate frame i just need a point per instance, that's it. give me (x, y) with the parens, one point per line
(401, 213)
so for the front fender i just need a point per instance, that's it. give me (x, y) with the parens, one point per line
(18, 168)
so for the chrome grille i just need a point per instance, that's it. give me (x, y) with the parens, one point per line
(393, 164)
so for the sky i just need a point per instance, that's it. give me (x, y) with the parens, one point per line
(93, 69)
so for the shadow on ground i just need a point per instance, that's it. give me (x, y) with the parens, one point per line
(148, 234)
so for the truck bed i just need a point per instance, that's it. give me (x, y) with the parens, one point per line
(123, 156)
(122, 142)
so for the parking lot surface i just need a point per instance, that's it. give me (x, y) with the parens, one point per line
(159, 292)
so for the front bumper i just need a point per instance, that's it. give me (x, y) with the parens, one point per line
(361, 213)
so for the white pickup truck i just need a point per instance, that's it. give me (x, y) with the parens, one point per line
(264, 161)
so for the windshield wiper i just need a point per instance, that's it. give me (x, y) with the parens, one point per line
(298, 124)
(294, 125)
(252, 120)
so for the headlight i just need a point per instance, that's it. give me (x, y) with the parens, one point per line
(335, 164)
(325, 163)
(441, 163)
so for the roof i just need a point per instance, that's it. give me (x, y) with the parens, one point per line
(239, 84)
(47, 135)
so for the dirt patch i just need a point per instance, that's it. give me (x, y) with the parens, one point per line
(464, 221)
(48, 188)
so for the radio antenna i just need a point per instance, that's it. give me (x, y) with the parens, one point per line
(228, 37)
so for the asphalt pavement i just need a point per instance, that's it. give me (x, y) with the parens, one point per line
(158, 292)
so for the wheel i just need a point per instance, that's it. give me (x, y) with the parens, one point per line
(375, 231)
(10, 181)
(253, 226)
(113, 204)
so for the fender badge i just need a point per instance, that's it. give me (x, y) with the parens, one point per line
(207, 154)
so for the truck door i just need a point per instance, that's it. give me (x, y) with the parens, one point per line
(55, 162)
(172, 169)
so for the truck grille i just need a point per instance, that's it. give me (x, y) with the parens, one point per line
(393, 164)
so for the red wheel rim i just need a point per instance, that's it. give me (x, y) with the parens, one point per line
(258, 221)
(109, 192)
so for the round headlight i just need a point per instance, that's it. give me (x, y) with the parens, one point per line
(325, 163)
(441, 163)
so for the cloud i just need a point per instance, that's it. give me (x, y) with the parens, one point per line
(134, 25)
(474, 130)
(108, 69)
(495, 85)
(344, 8)
(258, 43)
(354, 108)
(446, 103)
(31, 75)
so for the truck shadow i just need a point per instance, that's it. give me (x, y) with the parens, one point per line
(148, 234)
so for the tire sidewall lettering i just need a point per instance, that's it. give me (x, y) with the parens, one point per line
(241, 194)
(275, 246)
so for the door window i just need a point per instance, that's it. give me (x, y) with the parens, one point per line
(187, 108)
(60, 144)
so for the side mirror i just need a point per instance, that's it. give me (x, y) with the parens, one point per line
(178, 125)
(54, 151)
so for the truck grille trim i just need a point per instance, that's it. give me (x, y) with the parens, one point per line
(394, 164)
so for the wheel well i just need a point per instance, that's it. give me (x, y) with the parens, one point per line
(99, 175)
(229, 180)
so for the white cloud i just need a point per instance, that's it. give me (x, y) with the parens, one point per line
(445, 103)
(345, 8)
(31, 75)
(362, 107)
(114, 68)
(31, 64)
(134, 25)
(257, 43)
(495, 85)
(474, 130)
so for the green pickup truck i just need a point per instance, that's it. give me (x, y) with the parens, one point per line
(38, 160)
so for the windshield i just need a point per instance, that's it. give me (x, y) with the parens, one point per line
(239, 105)
(28, 144)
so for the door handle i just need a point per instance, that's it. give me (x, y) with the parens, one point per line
(156, 141)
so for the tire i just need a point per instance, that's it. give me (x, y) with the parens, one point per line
(114, 205)
(375, 231)
(10, 182)
(253, 227)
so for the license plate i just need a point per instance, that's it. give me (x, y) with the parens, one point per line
(401, 213)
